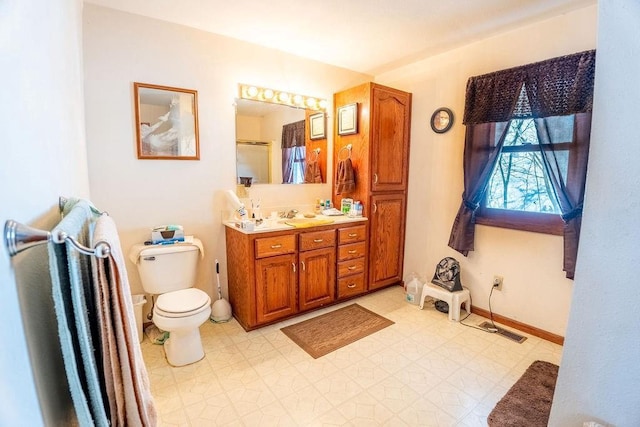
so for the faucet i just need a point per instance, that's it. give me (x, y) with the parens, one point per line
(291, 214)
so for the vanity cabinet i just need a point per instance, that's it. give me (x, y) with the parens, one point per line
(275, 266)
(276, 275)
(352, 252)
(275, 288)
(317, 269)
(380, 157)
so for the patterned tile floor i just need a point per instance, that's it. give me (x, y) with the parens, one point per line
(421, 371)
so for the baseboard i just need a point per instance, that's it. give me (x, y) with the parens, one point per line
(556, 339)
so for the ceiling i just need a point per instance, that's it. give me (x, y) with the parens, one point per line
(369, 36)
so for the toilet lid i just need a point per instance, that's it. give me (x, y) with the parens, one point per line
(182, 301)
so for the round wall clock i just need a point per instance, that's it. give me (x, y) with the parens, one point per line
(441, 120)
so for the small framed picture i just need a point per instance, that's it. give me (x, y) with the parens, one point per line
(316, 126)
(348, 119)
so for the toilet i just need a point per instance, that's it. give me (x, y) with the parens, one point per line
(168, 273)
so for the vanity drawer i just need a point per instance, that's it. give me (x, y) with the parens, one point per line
(317, 239)
(346, 268)
(270, 246)
(351, 285)
(352, 234)
(352, 251)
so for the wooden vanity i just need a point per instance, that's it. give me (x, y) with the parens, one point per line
(278, 274)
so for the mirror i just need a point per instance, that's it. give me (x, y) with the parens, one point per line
(166, 122)
(259, 144)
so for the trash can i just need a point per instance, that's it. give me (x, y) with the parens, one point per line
(138, 302)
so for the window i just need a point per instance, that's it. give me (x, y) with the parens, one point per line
(520, 193)
(516, 180)
(293, 170)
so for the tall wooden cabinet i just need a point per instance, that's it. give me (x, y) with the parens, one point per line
(380, 156)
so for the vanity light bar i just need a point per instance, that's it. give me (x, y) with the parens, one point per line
(258, 93)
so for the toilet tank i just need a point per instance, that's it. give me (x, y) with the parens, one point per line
(167, 268)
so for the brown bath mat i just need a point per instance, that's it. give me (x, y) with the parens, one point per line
(331, 331)
(528, 402)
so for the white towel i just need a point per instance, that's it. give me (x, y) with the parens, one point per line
(134, 252)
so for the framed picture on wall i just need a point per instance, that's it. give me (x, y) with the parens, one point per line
(166, 122)
(316, 126)
(348, 119)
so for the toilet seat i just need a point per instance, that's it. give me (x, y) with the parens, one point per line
(182, 303)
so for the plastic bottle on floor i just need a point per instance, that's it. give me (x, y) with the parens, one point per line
(413, 289)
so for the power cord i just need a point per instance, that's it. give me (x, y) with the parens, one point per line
(491, 330)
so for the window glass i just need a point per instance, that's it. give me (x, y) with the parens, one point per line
(520, 181)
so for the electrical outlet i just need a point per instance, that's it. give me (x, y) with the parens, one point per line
(497, 282)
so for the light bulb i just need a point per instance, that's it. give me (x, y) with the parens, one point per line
(252, 91)
(323, 103)
(283, 97)
(311, 102)
(267, 94)
(297, 99)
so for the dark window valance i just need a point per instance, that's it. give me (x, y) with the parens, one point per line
(555, 87)
(293, 134)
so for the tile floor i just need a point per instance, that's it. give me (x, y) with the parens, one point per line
(421, 371)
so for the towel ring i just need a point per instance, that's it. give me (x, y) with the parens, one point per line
(346, 147)
(317, 154)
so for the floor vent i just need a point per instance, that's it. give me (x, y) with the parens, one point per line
(505, 333)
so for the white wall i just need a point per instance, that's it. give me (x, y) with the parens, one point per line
(43, 157)
(120, 49)
(600, 373)
(535, 291)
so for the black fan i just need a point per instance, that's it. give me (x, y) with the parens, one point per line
(447, 275)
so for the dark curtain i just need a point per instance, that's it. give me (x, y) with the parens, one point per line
(292, 137)
(569, 185)
(480, 156)
(556, 87)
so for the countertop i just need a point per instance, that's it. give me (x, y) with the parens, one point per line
(269, 225)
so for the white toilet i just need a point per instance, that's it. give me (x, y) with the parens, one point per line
(168, 272)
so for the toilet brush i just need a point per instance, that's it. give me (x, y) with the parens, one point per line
(221, 309)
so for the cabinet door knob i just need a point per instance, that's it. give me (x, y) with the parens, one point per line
(276, 246)
(375, 207)
(318, 240)
(352, 267)
(351, 285)
(353, 251)
(353, 234)
(294, 267)
(304, 267)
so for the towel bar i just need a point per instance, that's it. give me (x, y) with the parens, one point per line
(19, 237)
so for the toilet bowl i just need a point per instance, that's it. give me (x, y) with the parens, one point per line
(168, 273)
(181, 313)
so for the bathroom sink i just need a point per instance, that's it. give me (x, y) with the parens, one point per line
(306, 222)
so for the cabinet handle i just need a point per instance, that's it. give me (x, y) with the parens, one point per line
(304, 267)
(276, 246)
(351, 285)
(353, 251)
(294, 267)
(352, 267)
(375, 207)
(318, 240)
(375, 178)
(353, 234)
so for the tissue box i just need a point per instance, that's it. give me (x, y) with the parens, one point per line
(167, 233)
